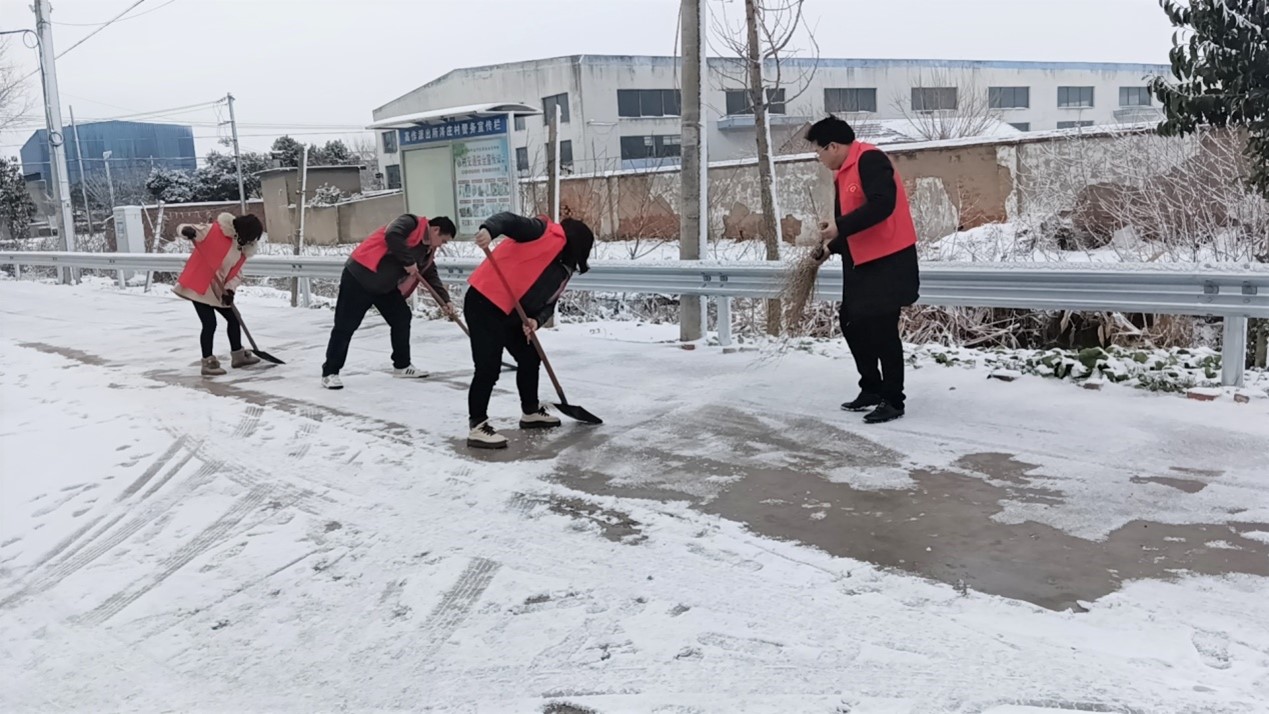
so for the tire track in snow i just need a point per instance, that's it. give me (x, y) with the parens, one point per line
(250, 421)
(210, 536)
(454, 607)
(107, 539)
(136, 485)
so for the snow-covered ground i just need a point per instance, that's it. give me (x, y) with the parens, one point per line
(729, 541)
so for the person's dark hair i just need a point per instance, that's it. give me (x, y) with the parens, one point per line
(580, 239)
(830, 130)
(445, 224)
(249, 228)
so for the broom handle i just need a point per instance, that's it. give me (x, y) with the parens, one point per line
(533, 335)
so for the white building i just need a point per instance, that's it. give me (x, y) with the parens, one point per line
(622, 112)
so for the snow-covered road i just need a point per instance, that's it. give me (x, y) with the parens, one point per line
(727, 542)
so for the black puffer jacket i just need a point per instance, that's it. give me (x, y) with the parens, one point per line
(400, 255)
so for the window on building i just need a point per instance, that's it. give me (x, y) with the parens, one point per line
(389, 142)
(1074, 124)
(648, 103)
(853, 99)
(393, 172)
(548, 108)
(1075, 96)
(1009, 97)
(519, 123)
(1021, 125)
(522, 158)
(933, 99)
(1134, 97)
(566, 153)
(663, 146)
(738, 101)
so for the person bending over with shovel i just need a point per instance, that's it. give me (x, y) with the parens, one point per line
(372, 276)
(212, 274)
(511, 294)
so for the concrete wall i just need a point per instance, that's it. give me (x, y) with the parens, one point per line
(952, 185)
(280, 190)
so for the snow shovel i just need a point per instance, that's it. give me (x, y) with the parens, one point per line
(255, 350)
(570, 410)
(407, 285)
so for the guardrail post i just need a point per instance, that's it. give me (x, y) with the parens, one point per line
(306, 295)
(724, 320)
(1233, 350)
(123, 283)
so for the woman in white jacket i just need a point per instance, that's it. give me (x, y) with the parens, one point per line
(212, 274)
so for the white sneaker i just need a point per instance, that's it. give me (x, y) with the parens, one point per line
(483, 436)
(332, 381)
(410, 372)
(540, 419)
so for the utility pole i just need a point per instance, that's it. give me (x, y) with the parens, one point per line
(233, 126)
(110, 185)
(60, 186)
(553, 162)
(83, 177)
(766, 165)
(694, 202)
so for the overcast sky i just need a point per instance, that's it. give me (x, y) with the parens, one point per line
(323, 65)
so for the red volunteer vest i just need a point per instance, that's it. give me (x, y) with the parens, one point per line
(374, 247)
(886, 238)
(206, 259)
(521, 263)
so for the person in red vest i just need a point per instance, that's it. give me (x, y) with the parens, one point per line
(874, 233)
(538, 259)
(371, 278)
(212, 274)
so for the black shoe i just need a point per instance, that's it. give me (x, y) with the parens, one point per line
(863, 402)
(883, 414)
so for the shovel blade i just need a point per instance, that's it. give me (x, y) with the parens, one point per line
(573, 411)
(267, 357)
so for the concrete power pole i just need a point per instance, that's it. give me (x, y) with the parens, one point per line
(694, 201)
(233, 127)
(60, 186)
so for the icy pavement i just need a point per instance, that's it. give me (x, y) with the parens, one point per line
(727, 542)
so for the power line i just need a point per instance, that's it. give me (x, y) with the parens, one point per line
(132, 17)
(104, 25)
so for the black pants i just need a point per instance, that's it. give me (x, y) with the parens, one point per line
(492, 330)
(350, 308)
(874, 341)
(207, 314)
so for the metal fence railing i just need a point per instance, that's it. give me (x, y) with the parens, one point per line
(1234, 293)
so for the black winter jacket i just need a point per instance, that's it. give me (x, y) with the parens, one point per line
(887, 284)
(539, 301)
(392, 267)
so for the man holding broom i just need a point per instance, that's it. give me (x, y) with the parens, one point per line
(874, 233)
(527, 272)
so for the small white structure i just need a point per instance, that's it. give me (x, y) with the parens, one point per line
(456, 161)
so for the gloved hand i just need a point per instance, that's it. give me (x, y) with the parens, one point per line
(189, 232)
(228, 298)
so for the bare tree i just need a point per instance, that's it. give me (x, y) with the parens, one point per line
(14, 101)
(767, 37)
(366, 153)
(946, 105)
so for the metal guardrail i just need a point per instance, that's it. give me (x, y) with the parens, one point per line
(1233, 293)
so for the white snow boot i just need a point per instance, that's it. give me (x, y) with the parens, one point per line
(332, 381)
(410, 372)
(483, 436)
(244, 358)
(540, 419)
(212, 368)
